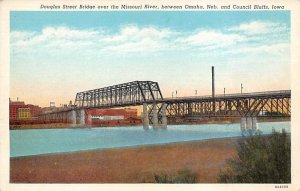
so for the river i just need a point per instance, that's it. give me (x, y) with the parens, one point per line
(43, 141)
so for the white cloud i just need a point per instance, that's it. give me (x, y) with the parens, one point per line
(53, 39)
(259, 27)
(128, 39)
(212, 38)
(16, 36)
(64, 41)
(134, 33)
(279, 49)
(134, 39)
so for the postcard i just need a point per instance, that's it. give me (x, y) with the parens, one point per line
(131, 95)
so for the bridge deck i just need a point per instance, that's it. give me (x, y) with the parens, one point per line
(267, 94)
(209, 105)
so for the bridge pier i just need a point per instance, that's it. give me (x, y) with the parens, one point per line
(73, 117)
(157, 116)
(254, 123)
(248, 123)
(82, 117)
(154, 116)
(243, 124)
(145, 117)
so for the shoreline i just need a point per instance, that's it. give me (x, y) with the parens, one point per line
(70, 126)
(133, 146)
(136, 164)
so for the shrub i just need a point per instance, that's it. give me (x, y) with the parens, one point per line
(260, 159)
(183, 176)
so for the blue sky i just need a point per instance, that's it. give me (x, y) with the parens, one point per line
(183, 21)
(56, 54)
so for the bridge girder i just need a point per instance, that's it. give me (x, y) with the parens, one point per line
(276, 105)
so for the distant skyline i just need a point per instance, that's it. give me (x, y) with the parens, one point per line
(54, 55)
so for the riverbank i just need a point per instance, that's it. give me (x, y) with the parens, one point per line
(126, 165)
(61, 126)
(68, 125)
(41, 126)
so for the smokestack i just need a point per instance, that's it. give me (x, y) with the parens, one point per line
(213, 87)
(213, 82)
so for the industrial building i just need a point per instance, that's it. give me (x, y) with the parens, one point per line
(18, 110)
(13, 108)
(21, 113)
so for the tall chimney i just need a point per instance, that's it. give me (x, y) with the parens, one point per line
(213, 87)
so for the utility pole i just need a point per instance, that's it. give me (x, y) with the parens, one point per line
(241, 88)
(224, 92)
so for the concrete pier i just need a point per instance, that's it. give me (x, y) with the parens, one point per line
(254, 123)
(158, 116)
(154, 116)
(243, 124)
(145, 117)
(73, 117)
(248, 123)
(82, 117)
(164, 115)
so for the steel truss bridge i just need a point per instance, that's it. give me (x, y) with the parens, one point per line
(271, 104)
(122, 95)
(156, 108)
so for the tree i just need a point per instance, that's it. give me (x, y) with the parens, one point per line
(182, 176)
(260, 159)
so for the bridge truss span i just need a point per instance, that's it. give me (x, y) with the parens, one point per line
(157, 111)
(261, 104)
(126, 94)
